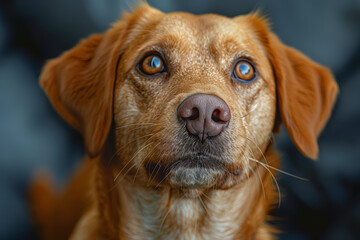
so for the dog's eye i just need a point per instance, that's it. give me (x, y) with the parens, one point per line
(152, 65)
(244, 71)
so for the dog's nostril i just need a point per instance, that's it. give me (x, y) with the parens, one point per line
(216, 116)
(188, 113)
(194, 114)
(221, 115)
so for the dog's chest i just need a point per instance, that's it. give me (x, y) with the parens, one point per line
(182, 219)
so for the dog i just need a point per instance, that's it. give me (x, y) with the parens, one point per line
(178, 114)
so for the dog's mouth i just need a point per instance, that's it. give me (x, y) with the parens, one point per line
(194, 171)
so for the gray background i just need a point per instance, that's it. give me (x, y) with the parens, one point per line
(33, 136)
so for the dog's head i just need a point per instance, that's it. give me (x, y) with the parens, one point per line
(189, 100)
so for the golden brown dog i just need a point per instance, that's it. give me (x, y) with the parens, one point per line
(177, 113)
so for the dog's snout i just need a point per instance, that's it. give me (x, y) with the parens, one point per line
(205, 115)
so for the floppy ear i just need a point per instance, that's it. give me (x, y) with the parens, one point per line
(80, 83)
(306, 91)
(80, 88)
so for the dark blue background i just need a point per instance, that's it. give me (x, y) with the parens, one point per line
(33, 136)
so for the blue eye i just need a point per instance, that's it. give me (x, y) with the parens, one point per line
(244, 71)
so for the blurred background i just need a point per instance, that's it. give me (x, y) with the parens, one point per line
(33, 136)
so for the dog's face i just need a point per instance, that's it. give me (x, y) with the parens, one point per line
(192, 100)
(195, 98)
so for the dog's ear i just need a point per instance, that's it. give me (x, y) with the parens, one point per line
(306, 91)
(306, 95)
(80, 83)
(80, 87)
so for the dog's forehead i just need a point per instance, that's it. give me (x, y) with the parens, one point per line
(203, 30)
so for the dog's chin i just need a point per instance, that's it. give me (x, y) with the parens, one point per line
(192, 175)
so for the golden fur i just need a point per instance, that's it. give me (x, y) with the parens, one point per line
(129, 121)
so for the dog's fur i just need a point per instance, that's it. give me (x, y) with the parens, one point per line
(129, 122)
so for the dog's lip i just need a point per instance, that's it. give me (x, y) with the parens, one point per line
(198, 160)
(194, 171)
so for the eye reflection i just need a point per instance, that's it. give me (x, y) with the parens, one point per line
(244, 69)
(155, 63)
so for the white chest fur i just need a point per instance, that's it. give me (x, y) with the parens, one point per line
(153, 215)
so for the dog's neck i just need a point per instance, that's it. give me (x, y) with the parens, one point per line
(235, 213)
(218, 214)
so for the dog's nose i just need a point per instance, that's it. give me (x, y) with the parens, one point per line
(205, 115)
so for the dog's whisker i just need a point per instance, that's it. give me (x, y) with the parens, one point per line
(272, 175)
(167, 213)
(142, 161)
(130, 168)
(251, 110)
(162, 180)
(137, 124)
(257, 146)
(164, 218)
(251, 140)
(153, 176)
(257, 176)
(262, 184)
(247, 175)
(136, 139)
(135, 154)
(204, 194)
(123, 146)
(287, 173)
(118, 150)
(204, 206)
